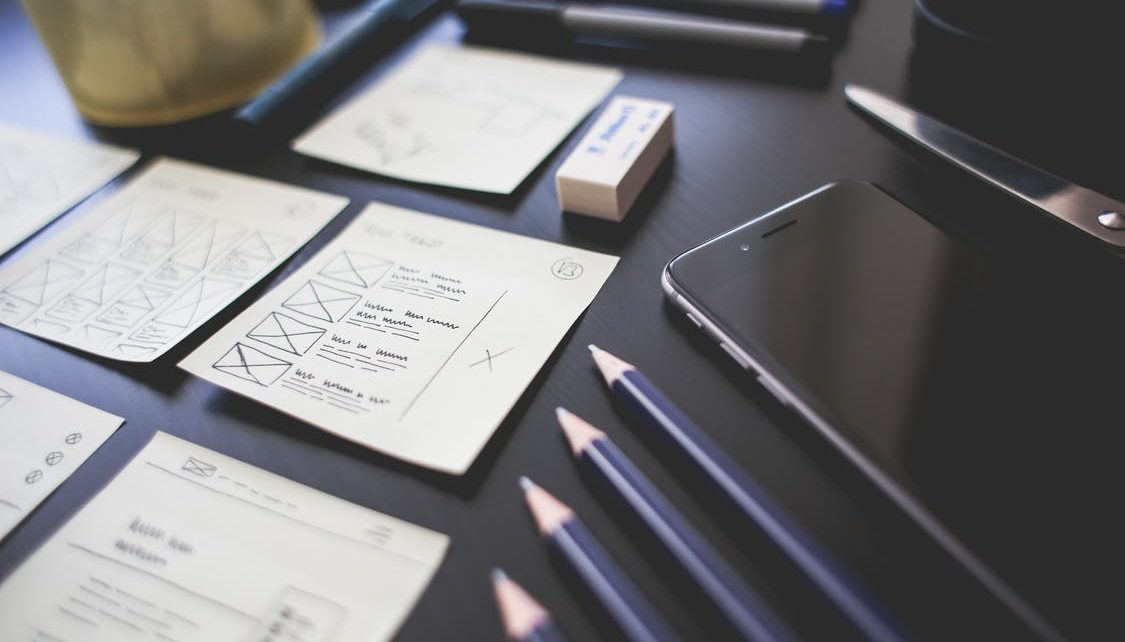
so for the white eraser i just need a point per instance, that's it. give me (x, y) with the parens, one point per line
(615, 159)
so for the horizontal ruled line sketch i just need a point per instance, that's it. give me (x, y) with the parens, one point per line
(158, 257)
(356, 268)
(286, 333)
(321, 301)
(253, 365)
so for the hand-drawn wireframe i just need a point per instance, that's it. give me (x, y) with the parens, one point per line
(133, 306)
(253, 365)
(99, 336)
(198, 467)
(393, 138)
(356, 268)
(53, 458)
(301, 616)
(102, 285)
(254, 254)
(321, 301)
(171, 228)
(44, 283)
(5, 397)
(194, 257)
(283, 332)
(33, 476)
(129, 220)
(158, 258)
(22, 187)
(73, 438)
(197, 301)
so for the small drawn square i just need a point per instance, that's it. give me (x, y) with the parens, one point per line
(198, 467)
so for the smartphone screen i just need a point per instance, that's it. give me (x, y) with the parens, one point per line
(987, 387)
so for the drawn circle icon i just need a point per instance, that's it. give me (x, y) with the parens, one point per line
(566, 269)
(74, 438)
(33, 476)
(53, 457)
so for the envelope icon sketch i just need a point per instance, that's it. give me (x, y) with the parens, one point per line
(5, 397)
(198, 467)
(356, 268)
(321, 301)
(286, 333)
(251, 364)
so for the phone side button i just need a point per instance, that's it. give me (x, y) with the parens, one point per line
(735, 355)
(774, 390)
(695, 320)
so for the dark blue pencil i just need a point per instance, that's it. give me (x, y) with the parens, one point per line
(378, 17)
(525, 620)
(622, 600)
(660, 414)
(743, 609)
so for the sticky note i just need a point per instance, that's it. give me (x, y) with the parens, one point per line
(606, 172)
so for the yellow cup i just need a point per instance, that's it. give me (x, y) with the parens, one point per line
(153, 62)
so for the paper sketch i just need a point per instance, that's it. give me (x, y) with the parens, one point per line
(186, 545)
(44, 438)
(410, 334)
(466, 117)
(42, 176)
(141, 271)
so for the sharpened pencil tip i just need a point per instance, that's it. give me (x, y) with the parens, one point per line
(610, 366)
(593, 348)
(561, 412)
(526, 484)
(498, 575)
(579, 432)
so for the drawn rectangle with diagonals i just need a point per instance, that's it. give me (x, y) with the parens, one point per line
(131, 277)
(408, 333)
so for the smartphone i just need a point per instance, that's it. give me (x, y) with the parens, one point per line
(980, 391)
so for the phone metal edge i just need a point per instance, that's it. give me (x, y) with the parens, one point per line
(901, 497)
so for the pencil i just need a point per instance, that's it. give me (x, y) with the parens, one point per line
(662, 416)
(622, 600)
(525, 620)
(743, 609)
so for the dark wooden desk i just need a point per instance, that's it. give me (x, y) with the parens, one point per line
(745, 142)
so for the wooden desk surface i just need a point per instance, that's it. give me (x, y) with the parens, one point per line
(747, 139)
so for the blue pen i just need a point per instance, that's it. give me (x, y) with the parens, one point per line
(641, 396)
(747, 614)
(378, 17)
(638, 620)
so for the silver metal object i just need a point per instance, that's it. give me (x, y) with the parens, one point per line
(1095, 214)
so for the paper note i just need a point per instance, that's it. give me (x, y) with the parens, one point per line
(467, 117)
(44, 438)
(146, 267)
(42, 176)
(408, 333)
(188, 545)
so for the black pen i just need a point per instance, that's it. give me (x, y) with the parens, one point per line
(536, 17)
(379, 16)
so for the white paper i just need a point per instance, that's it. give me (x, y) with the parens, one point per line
(150, 264)
(42, 176)
(44, 438)
(188, 545)
(410, 334)
(467, 117)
